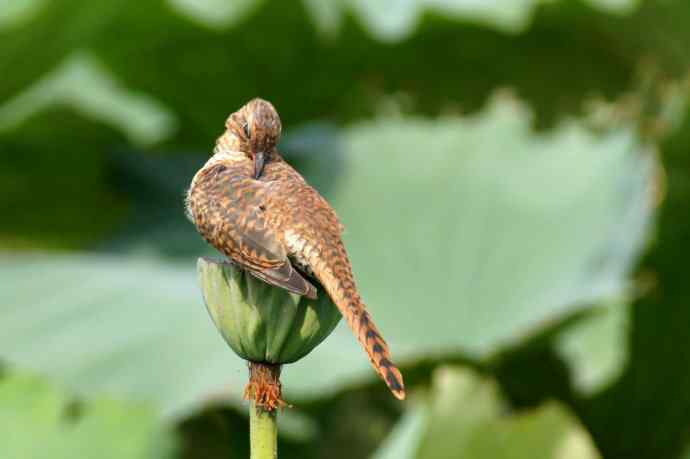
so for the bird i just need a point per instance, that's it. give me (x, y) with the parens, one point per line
(256, 209)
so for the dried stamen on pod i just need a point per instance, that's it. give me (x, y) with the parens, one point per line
(264, 386)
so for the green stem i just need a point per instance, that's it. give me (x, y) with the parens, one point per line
(263, 432)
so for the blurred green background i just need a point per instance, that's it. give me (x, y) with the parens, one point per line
(514, 177)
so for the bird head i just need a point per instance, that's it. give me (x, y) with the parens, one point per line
(257, 127)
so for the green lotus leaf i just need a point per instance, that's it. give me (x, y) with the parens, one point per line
(39, 420)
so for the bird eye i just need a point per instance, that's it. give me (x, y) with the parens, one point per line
(246, 129)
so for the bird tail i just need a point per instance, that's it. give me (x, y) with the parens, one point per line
(340, 286)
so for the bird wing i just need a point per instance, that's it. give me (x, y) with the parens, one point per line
(262, 254)
(287, 277)
(247, 238)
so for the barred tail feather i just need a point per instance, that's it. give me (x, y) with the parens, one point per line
(344, 294)
(377, 349)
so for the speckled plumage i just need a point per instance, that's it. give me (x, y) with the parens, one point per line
(255, 208)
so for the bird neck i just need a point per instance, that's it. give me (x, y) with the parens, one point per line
(228, 143)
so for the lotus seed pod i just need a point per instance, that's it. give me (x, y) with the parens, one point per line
(260, 322)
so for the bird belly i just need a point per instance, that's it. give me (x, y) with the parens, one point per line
(299, 251)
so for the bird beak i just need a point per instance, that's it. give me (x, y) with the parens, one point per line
(259, 159)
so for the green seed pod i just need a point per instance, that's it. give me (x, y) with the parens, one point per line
(260, 322)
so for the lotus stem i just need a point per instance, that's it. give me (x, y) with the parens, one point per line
(264, 394)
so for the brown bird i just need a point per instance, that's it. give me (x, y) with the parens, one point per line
(255, 208)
